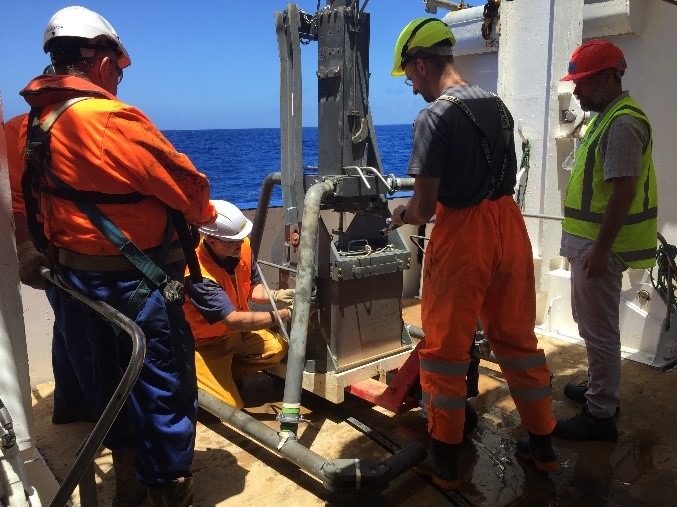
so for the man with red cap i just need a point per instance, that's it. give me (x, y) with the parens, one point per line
(610, 214)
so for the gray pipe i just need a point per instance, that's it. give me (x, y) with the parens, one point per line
(402, 184)
(262, 207)
(414, 331)
(290, 449)
(340, 473)
(296, 355)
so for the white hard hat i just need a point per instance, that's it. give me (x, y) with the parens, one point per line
(230, 223)
(80, 22)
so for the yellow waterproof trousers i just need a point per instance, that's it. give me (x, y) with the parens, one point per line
(219, 363)
(479, 263)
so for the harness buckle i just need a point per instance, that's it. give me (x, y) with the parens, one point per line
(173, 292)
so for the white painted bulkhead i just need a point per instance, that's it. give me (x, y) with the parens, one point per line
(536, 41)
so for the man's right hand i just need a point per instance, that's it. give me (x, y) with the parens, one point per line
(284, 296)
(30, 262)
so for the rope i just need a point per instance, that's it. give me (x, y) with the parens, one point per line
(665, 275)
(525, 164)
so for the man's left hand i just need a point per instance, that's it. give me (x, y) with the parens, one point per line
(596, 263)
(30, 263)
(396, 218)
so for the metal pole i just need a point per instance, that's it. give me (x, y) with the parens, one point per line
(262, 207)
(296, 355)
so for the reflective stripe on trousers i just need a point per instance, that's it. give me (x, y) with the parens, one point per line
(479, 263)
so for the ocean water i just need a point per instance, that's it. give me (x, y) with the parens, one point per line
(238, 160)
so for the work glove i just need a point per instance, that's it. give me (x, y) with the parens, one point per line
(284, 297)
(30, 262)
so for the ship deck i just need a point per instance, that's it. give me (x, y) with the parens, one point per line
(638, 470)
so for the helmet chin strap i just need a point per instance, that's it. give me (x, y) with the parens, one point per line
(228, 263)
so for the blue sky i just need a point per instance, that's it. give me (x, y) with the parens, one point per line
(208, 63)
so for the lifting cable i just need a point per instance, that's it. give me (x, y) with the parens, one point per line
(523, 173)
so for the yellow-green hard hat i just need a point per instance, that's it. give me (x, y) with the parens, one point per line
(419, 33)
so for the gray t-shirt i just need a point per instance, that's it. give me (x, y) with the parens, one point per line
(622, 146)
(446, 145)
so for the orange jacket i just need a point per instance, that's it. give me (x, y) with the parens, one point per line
(238, 292)
(15, 162)
(104, 145)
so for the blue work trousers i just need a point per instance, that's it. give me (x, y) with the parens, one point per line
(159, 417)
(71, 366)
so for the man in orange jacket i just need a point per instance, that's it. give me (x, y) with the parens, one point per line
(70, 383)
(104, 175)
(71, 404)
(478, 260)
(232, 341)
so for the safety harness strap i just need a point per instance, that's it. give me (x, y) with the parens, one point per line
(172, 290)
(46, 125)
(72, 194)
(38, 157)
(496, 174)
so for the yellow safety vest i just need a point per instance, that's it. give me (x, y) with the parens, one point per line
(588, 194)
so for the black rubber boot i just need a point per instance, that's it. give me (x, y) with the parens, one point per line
(129, 492)
(538, 448)
(65, 416)
(472, 378)
(441, 465)
(177, 494)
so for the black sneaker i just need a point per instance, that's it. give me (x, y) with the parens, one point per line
(585, 426)
(576, 392)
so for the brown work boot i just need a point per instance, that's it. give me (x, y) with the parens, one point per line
(440, 465)
(129, 492)
(177, 494)
(538, 448)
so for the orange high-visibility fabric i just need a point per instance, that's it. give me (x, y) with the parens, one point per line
(105, 145)
(237, 292)
(479, 263)
(15, 162)
(218, 364)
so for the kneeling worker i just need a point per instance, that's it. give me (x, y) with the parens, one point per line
(231, 341)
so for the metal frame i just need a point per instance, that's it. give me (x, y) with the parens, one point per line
(348, 179)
